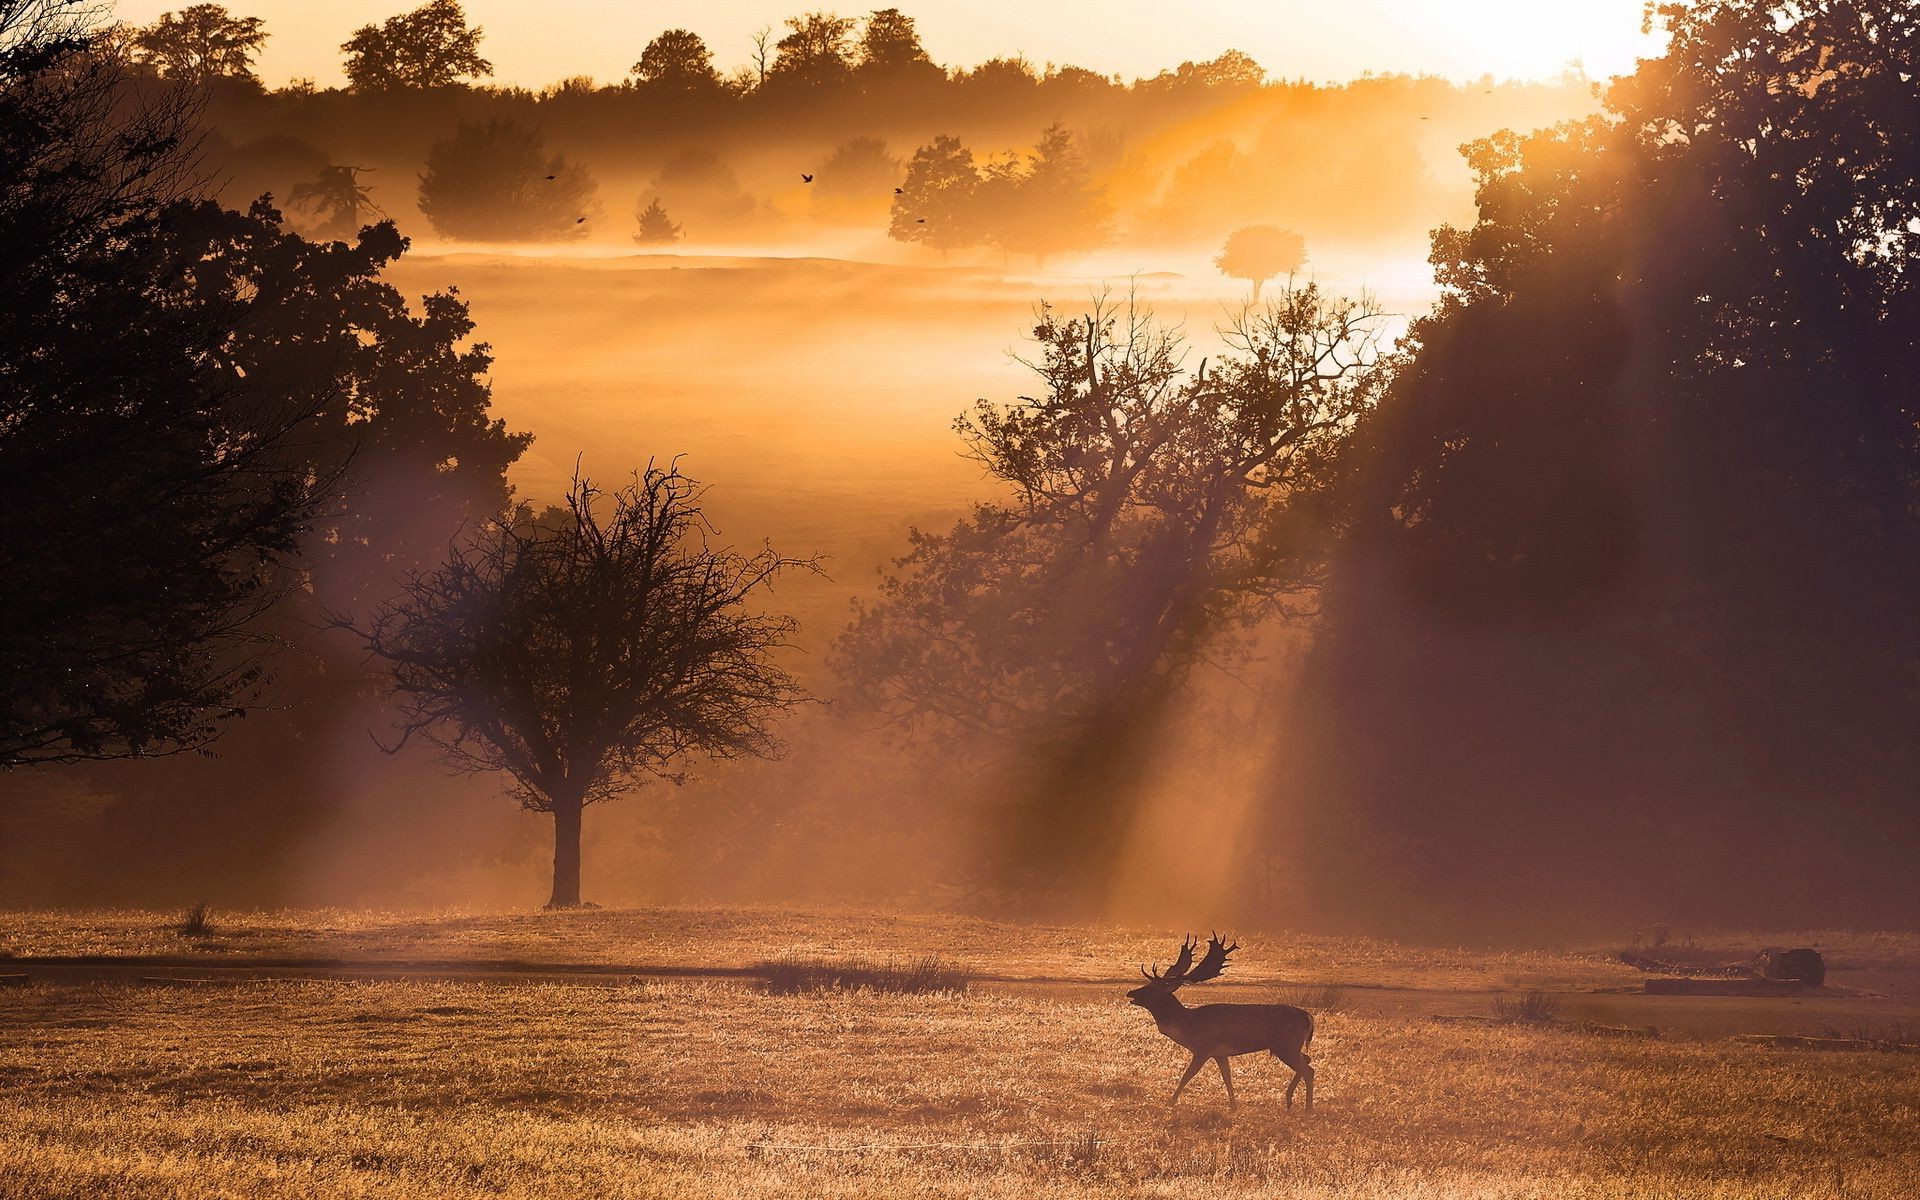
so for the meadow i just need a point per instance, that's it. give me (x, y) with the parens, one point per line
(699, 1087)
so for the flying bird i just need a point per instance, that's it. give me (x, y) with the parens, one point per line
(899, 191)
(552, 177)
(805, 178)
(579, 220)
(921, 221)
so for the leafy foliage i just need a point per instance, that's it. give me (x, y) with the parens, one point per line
(1149, 508)
(202, 42)
(1257, 253)
(656, 228)
(936, 202)
(496, 182)
(149, 485)
(430, 47)
(677, 62)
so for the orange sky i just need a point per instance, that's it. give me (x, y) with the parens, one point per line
(535, 43)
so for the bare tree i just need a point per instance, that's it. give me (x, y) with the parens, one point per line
(585, 649)
(762, 54)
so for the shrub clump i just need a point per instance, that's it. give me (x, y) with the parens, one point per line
(929, 973)
(1530, 1008)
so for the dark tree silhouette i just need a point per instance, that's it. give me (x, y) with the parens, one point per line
(584, 651)
(889, 54)
(816, 54)
(937, 202)
(856, 182)
(430, 47)
(336, 200)
(656, 228)
(677, 63)
(496, 182)
(699, 186)
(1047, 205)
(1257, 253)
(1150, 513)
(148, 486)
(1232, 71)
(201, 43)
(1653, 472)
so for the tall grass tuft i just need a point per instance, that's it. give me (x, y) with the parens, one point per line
(1530, 1008)
(918, 976)
(1326, 998)
(194, 922)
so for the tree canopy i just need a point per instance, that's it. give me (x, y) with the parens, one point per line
(1656, 456)
(589, 648)
(495, 181)
(1257, 253)
(677, 62)
(430, 47)
(201, 43)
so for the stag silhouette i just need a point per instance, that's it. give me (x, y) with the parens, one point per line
(1220, 1031)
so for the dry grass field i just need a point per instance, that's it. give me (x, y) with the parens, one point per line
(738, 937)
(707, 1088)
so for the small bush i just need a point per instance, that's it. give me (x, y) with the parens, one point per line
(1326, 998)
(194, 923)
(1532, 1008)
(787, 976)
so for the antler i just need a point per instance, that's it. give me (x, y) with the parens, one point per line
(1176, 975)
(1214, 961)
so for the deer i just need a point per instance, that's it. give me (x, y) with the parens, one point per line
(1220, 1031)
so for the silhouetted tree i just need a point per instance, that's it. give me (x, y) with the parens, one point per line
(763, 41)
(148, 487)
(1048, 204)
(936, 204)
(889, 54)
(201, 43)
(1256, 253)
(656, 228)
(700, 187)
(430, 47)
(496, 181)
(1653, 471)
(815, 55)
(677, 63)
(1216, 188)
(1149, 513)
(588, 649)
(857, 180)
(338, 201)
(1232, 71)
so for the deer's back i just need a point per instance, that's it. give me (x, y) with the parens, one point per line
(1214, 1029)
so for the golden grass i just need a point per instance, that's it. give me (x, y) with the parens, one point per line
(743, 937)
(705, 1089)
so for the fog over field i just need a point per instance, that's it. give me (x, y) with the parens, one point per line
(1441, 501)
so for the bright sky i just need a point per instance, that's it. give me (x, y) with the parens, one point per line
(536, 42)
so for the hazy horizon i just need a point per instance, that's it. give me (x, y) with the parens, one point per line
(534, 46)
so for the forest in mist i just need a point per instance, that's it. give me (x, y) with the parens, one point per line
(1080, 570)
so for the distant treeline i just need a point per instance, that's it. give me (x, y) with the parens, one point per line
(1183, 157)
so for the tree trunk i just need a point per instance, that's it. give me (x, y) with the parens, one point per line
(1256, 290)
(566, 854)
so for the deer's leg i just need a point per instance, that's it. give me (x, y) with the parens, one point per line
(1226, 1077)
(1302, 1064)
(1193, 1068)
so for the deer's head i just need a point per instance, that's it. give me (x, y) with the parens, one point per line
(1161, 984)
